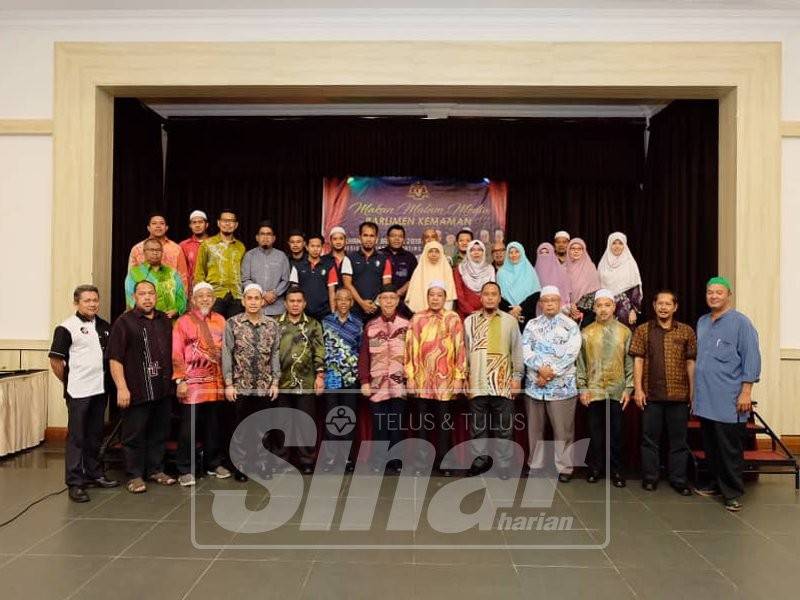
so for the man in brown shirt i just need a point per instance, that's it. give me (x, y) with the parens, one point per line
(664, 352)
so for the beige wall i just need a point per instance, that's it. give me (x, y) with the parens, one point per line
(26, 66)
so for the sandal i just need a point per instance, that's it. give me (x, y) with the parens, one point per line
(162, 478)
(136, 486)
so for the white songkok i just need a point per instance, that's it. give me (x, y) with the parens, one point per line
(337, 230)
(438, 283)
(198, 213)
(253, 286)
(203, 285)
(550, 290)
(603, 294)
(560, 234)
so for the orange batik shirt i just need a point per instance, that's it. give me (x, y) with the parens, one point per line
(435, 354)
(196, 356)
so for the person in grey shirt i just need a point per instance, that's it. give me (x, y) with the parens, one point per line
(269, 268)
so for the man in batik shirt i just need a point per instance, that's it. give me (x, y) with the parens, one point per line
(302, 356)
(342, 334)
(219, 262)
(251, 366)
(173, 256)
(198, 225)
(436, 366)
(170, 292)
(197, 371)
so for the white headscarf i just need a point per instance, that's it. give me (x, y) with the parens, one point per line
(618, 273)
(475, 274)
(424, 274)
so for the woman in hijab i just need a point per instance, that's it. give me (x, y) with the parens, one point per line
(619, 273)
(552, 272)
(584, 281)
(432, 266)
(469, 277)
(519, 285)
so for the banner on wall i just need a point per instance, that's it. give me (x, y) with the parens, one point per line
(416, 204)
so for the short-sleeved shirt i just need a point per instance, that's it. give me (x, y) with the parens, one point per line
(665, 352)
(144, 348)
(727, 356)
(314, 280)
(403, 265)
(80, 343)
(367, 273)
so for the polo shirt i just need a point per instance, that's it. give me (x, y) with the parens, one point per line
(80, 343)
(403, 264)
(367, 273)
(144, 348)
(727, 356)
(314, 280)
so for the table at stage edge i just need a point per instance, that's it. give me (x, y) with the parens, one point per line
(23, 410)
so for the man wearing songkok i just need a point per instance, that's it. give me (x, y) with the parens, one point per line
(250, 365)
(605, 383)
(664, 352)
(140, 355)
(469, 277)
(219, 263)
(381, 368)
(728, 364)
(436, 364)
(403, 263)
(173, 255)
(495, 365)
(316, 276)
(76, 359)
(198, 225)
(197, 371)
(268, 267)
(560, 244)
(169, 285)
(302, 356)
(365, 271)
(550, 345)
(341, 332)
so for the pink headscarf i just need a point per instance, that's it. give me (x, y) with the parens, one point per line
(583, 276)
(552, 272)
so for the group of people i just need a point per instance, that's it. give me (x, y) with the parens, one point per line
(230, 332)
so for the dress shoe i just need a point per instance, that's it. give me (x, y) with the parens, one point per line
(709, 490)
(682, 489)
(78, 494)
(618, 480)
(565, 477)
(445, 472)
(350, 466)
(241, 477)
(649, 486)
(102, 482)
(593, 476)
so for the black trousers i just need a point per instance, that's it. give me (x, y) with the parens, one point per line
(388, 421)
(228, 306)
(431, 420)
(308, 404)
(85, 418)
(145, 427)
(596, 417)
(675, 415)
(336, 425)
(244, 407)
(491, 417)
(206, 431)
(723, 445)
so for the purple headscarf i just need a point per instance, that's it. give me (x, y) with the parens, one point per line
(552, 272)
(583, 277)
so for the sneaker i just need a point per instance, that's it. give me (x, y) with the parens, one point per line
(186, 480)
(220, 473)
(709, 490)
(733, 505)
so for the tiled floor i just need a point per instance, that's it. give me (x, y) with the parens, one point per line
(122, 546)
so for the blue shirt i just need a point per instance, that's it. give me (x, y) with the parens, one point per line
(554, 341)
(314, 281)
(727, 357)
(342, 344)
(403, 265)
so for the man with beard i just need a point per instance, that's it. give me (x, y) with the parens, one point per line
(198, 225)
(269, 268)
(219, 263)
(173, 256)
(366, 271)
(403, 263)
